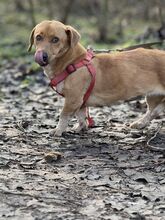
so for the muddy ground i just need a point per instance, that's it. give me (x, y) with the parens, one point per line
(110, 172)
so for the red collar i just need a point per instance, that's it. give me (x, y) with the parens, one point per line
(72, 68)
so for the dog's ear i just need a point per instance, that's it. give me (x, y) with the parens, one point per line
(73, 36)
(31, 40)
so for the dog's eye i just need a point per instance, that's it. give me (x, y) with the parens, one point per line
(39, 38)
(55, 40)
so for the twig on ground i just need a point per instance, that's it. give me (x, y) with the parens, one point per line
(152, 138)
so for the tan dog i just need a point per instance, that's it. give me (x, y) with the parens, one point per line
(119, 76)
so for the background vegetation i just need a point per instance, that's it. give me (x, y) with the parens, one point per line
(104, 24)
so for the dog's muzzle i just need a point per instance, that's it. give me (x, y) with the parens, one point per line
(41, 58)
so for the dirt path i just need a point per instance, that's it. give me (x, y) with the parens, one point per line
(109, 172)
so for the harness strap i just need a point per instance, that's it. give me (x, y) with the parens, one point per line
(72, 68)
(92, 71)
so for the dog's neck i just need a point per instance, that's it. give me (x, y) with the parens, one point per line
(58, 65)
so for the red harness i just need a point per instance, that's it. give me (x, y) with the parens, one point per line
(72, 68)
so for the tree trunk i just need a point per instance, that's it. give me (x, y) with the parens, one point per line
(66, 11)
(50, 6)
(103, 21)
(19, 5)
(32, 13)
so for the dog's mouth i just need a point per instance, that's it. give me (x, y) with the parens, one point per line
(41, 58)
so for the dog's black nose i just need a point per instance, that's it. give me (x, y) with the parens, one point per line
(45, 57)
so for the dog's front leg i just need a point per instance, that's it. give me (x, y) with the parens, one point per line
(69, 109)
(85, 121)
(81, 117)
(62, 124)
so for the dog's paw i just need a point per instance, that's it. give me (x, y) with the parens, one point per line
(56, 132)
(138, 124)
(79, 128)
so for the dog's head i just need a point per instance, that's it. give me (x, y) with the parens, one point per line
(51, 40)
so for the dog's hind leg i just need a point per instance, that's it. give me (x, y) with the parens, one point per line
(155, 105)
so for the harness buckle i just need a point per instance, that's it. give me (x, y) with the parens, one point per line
(71, 68)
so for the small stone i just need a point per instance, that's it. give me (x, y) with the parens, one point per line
(52, 157)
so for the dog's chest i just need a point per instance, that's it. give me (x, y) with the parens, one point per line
(60, 86)
(48, 71)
